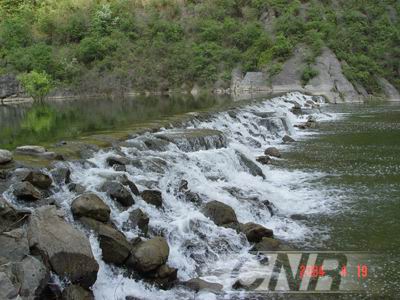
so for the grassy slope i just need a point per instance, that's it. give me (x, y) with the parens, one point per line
(160, 44)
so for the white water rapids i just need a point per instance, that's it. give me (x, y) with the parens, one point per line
(214, 168)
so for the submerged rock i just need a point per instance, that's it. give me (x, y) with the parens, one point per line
(125, 181)
(150, 255)
(26, 191)
(194, 139)
(76, 188)
(152, 197)
(288, 139)
(91, 206)
(219, 213)
(38, 179)
(118, 192)
(255, 232)
(272, 151)
(61, 175)
(198, 284)
(65, 249)
(5, 156)
(117, 160)
(264, 160)
(266, 244)
(252, 168)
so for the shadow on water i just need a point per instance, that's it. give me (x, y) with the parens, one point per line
(35, 123)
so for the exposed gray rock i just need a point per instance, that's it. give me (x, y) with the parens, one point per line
(219, 213)
(5, 156)
(76, 188)
(30, 150)
(255, 232)
(14, 245)
(198, 284)
(118, 192)
(11, 217)
(125, 181)
(272, 151)
(91, 206)
(9, 86)
(266, 244)
(117, 160)
(164, 276)
(137, 218)
(152, 197)
(63, 247)
(33, 276)
(389, 90)
(26, 191)
(7, 289)
(38, 179)
(76, 292)
(150, 255)
(115, 248)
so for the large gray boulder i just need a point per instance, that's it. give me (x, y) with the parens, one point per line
(152, 197)
(220, 213)
(33, 275)
(149, 255)
(115, 248)
(5, 156)
(10, 216)
(137, 218)
(26, 191)
(91, 206)
(14, 245)
(38, 179)
(118, 192)
(65, 249)
(272, 151)
(7, 289)
(75, 292)
(389, 90)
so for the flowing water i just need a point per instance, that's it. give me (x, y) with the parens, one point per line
(337, 188)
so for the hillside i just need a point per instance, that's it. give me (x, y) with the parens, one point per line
(116, 46)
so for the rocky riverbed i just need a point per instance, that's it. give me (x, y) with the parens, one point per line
(160, 215)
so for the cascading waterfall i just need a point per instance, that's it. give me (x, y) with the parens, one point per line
(217, 157)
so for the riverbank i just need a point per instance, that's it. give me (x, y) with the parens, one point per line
(200, 194)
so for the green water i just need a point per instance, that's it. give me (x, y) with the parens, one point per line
(358, 156)
(25, 124)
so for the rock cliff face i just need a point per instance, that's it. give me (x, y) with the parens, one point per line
(9, 86)
(330, 81)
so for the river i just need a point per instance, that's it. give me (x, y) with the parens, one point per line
(336, 188)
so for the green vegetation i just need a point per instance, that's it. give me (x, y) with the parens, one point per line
(161, 44)
(37, 85)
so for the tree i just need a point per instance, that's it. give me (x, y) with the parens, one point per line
(36, 84)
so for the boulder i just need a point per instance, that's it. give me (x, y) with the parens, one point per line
(61, 175)
(5, 156)
(198, 284)
(219, 213)
(65, 249)
(76, 292)
(38, 179)
(152, 197)
(151, 254)
(272, 151)
(115, 248)
(91, 206)
(14, 245)
(137, 218)
(288, 139)
(255, 232)
(264, 159)
(118, 192)
(164, 276)
(11, 217)
(266, 244)
(33, 276)
(76, 188)
(126, 182)
(7, 289)
(252, 167)
(26, 191)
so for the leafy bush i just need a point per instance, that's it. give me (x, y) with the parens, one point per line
(308, 74)
(36, 84)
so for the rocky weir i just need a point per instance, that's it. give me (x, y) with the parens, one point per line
(163, 215)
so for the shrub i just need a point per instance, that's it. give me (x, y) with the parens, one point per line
(308, 74)
(36, 84)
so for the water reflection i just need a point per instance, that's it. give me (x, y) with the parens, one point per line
(53, 121)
